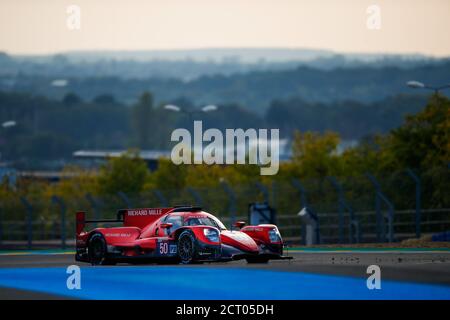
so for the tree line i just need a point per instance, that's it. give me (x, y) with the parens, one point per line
(421, 143)
(51, 130)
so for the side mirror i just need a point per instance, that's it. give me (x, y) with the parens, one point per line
(239, 224)
(166, 225)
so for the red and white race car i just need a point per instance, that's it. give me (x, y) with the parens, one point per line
(183, 234)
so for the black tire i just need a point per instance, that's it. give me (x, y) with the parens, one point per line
(257, 260)
(97, 251)
(186, 247)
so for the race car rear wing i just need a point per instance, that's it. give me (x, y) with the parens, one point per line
(81, 220)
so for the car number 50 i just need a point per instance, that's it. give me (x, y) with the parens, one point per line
(163, 248)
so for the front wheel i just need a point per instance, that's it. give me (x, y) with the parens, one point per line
(186, 247)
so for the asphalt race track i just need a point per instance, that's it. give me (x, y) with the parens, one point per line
(312, 274)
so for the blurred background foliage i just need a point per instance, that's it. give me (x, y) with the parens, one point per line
(420, 143)
(48, 131)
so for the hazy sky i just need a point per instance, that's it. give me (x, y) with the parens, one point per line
(407, 26)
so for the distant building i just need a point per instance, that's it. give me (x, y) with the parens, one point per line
(8, 174)
(345, 145)
(94, 157)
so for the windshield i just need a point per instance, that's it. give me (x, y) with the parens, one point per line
(204, 221)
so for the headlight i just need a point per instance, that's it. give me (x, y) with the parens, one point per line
(274, 235)
(211, 234)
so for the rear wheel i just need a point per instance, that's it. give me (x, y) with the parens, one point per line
(186, 247)
(97, 251)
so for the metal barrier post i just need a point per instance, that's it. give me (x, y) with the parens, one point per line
(380, 197)
(197, 198)
(1, 225)
(231, 202)
(354, 229)
(379, 218)
(95, 206)
(390, 216)
(274, 193)
(264, 191)
(418, 218)
(161, 198)
(337, 186)
(303, 203)
(125, 199)
(29, 210)
(62, 207)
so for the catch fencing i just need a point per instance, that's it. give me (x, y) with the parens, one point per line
(360, 209)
